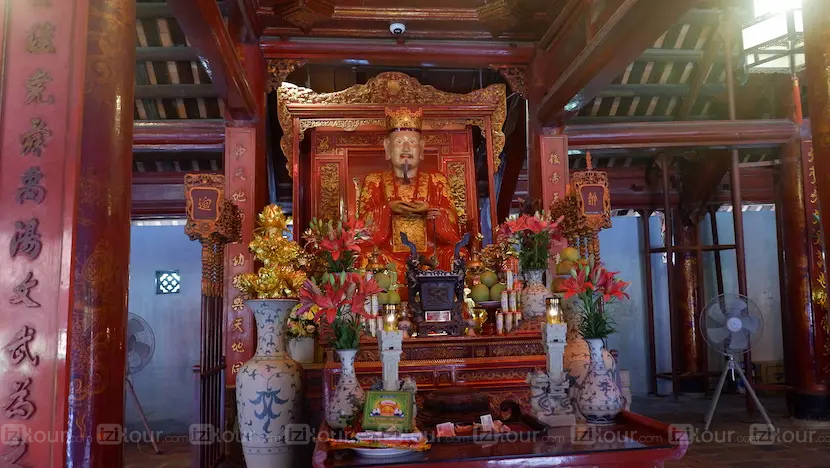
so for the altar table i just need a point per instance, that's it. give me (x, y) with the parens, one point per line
(497, 365)
(635, 441)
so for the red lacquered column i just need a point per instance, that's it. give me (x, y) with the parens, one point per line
(691, 349)
(101, 256)
(805, 186)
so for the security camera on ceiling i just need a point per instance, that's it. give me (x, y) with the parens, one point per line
(397, 28)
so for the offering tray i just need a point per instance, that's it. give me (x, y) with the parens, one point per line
(517, 430)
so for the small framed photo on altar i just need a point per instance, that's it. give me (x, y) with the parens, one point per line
(386, 411)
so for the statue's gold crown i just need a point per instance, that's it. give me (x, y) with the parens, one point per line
(403, 119)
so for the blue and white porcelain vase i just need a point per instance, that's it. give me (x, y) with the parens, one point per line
(599, 398)
(534, 294)
(577, 358)
(348, 398)
(268, 389)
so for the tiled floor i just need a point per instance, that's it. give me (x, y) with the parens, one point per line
(731, 427)
(801, 447)
(174, 455)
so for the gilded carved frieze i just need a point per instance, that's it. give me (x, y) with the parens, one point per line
(329, 206)
(458, 188)
(392, 88)
(279, 69)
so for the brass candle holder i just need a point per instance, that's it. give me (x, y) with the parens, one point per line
(553, 311)
(390, 317)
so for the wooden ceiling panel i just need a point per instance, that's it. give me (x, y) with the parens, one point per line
(449, 19)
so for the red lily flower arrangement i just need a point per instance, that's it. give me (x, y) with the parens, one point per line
(335, 292)
(594, 279)
(340, 294)
(594, 285)
(530, 236)
(339, 242)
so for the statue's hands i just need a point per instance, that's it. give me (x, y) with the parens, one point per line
(419, 207)
(400, 207)
(409, 208)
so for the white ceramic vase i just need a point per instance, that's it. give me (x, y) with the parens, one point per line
(599, 399)
(268, 389)
(577, 358)
(534, 294)
(301, 349)
(348, 397)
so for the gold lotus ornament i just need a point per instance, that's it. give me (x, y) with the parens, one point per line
(281, 275)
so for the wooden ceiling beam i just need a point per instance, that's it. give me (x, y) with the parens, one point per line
(173, 91)
(159, 194)
(202, 23)
(166, 54)
(416, 53)
(152, 10)
(683, 55)
(557, 92)
(699, 75)
(667, 90)
(160, 9)
(629, 189)
(580, 120)
(178, 135)
(689, 133)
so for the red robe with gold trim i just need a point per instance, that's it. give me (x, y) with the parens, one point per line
(381, 188)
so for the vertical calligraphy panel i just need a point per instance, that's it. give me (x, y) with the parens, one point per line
(43, 64)
(240, 187)
(553, 156)
(818, 275)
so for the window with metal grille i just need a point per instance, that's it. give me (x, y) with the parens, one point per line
(168, 282)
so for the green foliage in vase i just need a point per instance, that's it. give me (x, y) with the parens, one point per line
(595, 323)
(346, 333)
(529, 236)
(594, 286)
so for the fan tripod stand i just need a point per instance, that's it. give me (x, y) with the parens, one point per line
(731, 365)
(143, 417)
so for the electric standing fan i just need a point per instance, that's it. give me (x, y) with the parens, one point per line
(732, 325)
(141, 342)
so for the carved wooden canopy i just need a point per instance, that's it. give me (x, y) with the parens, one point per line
(362, 105)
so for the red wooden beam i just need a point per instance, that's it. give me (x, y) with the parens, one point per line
(202, 23)
(416, 53)
(629, 189)
(179, 135)
(690, 133)
(158, 194)
(558, 91)
(515, 156)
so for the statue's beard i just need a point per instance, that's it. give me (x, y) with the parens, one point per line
(406, 172)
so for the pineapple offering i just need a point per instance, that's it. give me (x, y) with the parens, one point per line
(282, 272)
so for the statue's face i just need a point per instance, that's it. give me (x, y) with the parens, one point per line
(404, 147)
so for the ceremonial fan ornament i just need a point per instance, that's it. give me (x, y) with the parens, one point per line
(141, 343)
(733, 324)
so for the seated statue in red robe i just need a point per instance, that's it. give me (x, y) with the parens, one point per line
(404, 199)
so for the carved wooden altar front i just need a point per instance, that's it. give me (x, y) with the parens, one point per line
(348, 127)
(497, 365)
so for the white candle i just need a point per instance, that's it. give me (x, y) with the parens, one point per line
(512, 300)
(508, 321)
(509, 279)
(500, 323)
(505, 302)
